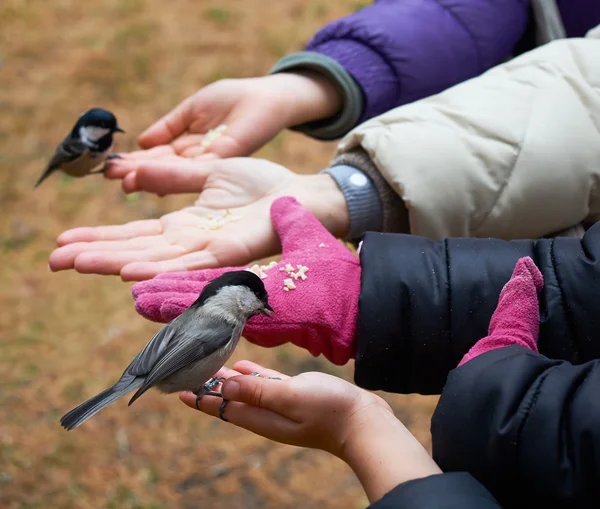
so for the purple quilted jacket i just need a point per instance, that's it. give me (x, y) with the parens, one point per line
(399, 51)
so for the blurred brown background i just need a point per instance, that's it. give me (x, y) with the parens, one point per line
(65, 336)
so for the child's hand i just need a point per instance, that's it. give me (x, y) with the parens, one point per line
(323, 412)
(312, 410)
(253, 109)
(178, 242)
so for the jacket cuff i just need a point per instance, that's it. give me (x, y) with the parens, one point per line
(395, 213)
(457, 490)
(352, 99)
(364, 206)
(375, 77)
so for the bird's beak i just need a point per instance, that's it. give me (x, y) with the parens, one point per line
(268, 311)
(119, 130)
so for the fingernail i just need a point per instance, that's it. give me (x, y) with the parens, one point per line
(230, 389)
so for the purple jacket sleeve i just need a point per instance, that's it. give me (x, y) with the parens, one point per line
(399, 51)
(579, 16)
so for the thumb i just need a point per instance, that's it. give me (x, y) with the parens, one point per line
(151, 305)
(297, 227)
(164, 130)
(517, 313)
(516, 320)
(172, 307)
(274, 395)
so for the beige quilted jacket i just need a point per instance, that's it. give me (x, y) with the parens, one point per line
(513, 153)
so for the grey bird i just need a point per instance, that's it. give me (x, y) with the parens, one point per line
(87, 145)
(185, 353)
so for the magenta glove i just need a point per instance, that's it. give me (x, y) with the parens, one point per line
(319, 314)
(516, 320)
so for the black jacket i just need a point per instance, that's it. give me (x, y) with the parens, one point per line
(445, 491)
(424, 303)
(525, 426)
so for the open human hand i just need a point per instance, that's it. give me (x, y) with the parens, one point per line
(321, 411)
(253, 110)
(179, 241)
(310, 410)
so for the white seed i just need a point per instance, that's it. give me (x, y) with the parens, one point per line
(288, 283)
(215, 223)
(212, 135)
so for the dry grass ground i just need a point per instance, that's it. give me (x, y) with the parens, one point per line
(65, 336)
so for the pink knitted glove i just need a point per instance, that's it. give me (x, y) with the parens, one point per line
(320, 314)
(516, 320)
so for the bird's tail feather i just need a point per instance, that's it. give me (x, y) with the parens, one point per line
(83, 412)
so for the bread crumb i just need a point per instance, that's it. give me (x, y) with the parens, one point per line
(212, 135)
(302, 269)
(260, 270)
(216, 223)
(289, 284)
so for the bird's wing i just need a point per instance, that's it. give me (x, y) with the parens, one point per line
(69, 150)
(147, 358)
(191, 345)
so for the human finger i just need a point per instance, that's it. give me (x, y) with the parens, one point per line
(169, 126)
(171, 177)
(64, 257)
(140, 270)
(245, 367)
(112, 232)
(274, 395)
(158, 151)
(261, 421)
(111, 262)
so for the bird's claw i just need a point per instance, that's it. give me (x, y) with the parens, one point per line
(207, 390)
(222, 409)
(106, 164)
(101, 171)
(212, 383)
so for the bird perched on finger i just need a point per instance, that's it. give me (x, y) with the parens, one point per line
(189, 350)
(87, 145)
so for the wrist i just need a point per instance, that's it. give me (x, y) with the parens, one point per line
(323, 197)
(383, 453)
(365, 210)
(306, 96)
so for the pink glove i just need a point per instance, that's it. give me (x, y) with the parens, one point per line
(516, 320)
(320, 314)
